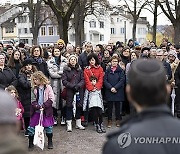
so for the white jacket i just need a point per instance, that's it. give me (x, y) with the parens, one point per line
(92, 99)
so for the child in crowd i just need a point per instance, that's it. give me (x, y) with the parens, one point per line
(19, 110)
(42, 100)
(95, 103)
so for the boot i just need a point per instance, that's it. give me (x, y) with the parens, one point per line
(78, 124)
(117, 123)
(109, 124)
(98, 128)
(31, 139)
(50, 143)
(102, 128)
(69, 125)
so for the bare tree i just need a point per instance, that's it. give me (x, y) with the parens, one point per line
(84, 8)
(172, 10)
(134, 8)
(36, 11)
(63, 10)
(152, 7)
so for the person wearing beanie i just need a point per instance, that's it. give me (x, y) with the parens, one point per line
(153, 120)
(10, 143)
(73, 81)
(62, 46)
(174, 62)
(24, 89)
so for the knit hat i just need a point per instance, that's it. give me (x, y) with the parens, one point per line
(61, 41)
(173, 52)
(7, 110)
(26, 62)
(71, 56)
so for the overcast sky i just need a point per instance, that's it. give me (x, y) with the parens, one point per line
(162, 19)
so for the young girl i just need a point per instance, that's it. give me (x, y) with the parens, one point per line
(19, 110)
(95, 103)
(43, 100)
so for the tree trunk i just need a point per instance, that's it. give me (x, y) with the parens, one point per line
(177, 32)
(79, 23)
(134, 29)
(35, 37)
(155, 21)
(63, 28)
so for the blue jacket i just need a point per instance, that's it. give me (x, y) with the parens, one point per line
(114, 79)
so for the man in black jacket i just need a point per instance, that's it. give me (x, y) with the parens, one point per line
(153, 129)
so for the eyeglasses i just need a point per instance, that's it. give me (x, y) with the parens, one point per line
(115, 61)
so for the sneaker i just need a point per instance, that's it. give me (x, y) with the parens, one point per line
(109, 124)
(55, 121)
(63, 121)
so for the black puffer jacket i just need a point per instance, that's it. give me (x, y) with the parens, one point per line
(24, 90)
(7, 78)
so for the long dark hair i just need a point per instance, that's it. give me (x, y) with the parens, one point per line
(11, 62)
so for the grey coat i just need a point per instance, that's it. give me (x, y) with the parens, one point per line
(55, 72)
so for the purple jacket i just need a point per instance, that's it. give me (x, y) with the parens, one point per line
(47, 105)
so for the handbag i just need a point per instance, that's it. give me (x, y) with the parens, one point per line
(39, 133)
(64, 93)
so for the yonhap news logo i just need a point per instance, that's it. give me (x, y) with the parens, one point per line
(125, 139)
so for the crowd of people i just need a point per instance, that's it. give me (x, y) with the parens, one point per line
(84, 83)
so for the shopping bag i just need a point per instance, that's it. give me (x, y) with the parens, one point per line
(39, 133)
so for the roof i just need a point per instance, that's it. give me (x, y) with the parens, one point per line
(141, 20)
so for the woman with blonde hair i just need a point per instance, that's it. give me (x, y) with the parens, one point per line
(42, 101)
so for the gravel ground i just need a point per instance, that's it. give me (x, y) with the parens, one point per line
(77, 142)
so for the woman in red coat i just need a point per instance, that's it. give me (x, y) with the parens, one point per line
(94, 69)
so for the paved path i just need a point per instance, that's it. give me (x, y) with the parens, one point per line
(77, 142)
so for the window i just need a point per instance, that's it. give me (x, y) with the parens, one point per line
(101, 37)
(9, 30)
(92, 24)
(122, 30)
(25, 30)
(142, 31)
(19, 31)
(50, 30)
(30, 29)
(117, 19)
(43, 31)
(113, 31)
(22, 19)
(101, 23)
